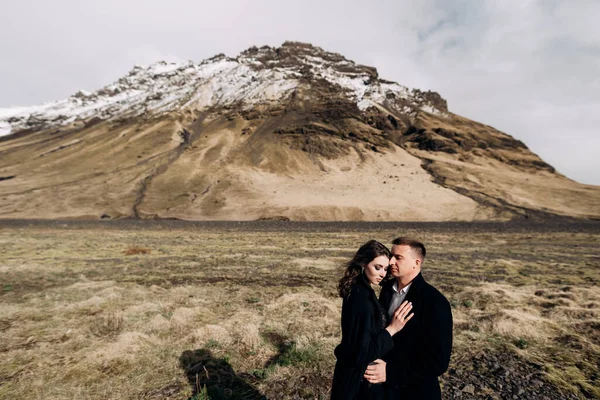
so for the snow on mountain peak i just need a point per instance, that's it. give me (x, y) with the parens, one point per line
(257, 76)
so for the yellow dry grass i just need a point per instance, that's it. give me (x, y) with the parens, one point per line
(255, 305)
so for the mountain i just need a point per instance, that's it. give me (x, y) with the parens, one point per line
(275, 133)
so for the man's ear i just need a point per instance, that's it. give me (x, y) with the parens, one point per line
(418, 262)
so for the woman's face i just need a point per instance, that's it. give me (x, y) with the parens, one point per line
(375, 271)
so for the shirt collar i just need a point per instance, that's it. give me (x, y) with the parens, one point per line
(404, 289)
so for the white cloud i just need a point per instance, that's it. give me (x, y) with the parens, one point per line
(529, 68)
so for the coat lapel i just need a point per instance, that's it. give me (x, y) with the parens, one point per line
(415, 288)
(414, 296)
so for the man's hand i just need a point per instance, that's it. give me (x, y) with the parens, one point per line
(375, 372)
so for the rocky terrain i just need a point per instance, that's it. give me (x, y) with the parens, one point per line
(293, 132)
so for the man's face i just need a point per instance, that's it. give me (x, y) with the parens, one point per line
(403, 261)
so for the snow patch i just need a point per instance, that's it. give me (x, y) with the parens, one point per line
(5, 128)
(430, 109)
(221, 81)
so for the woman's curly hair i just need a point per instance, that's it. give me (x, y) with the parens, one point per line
(365, 254)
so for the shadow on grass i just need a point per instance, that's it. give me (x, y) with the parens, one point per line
(288, 353)
(309, 382)
(214, 378)
(283, 344)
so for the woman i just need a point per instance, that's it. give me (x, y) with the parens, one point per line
(366, 334)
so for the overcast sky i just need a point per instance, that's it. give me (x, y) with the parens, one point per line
(530, 68)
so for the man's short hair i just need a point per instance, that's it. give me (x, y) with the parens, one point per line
(417, 247)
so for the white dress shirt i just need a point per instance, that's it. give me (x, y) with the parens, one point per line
(398, 297)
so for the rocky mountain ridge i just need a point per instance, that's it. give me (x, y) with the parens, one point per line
(257, 77)
(293, 132)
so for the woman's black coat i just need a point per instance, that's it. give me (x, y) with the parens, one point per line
(364, 339)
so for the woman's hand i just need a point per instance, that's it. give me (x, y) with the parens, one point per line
(400, 318)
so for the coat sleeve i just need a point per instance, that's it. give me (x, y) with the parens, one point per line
(363, 342)
(435, 345)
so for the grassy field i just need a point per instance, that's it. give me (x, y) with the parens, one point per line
(154, 310)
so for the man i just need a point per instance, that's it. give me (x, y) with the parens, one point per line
(422, 349)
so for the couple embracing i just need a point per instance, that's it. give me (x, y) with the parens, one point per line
(394, 347)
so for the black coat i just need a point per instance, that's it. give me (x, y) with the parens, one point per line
(364, 339)
(422, 348)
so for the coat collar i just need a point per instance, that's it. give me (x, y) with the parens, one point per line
(415, 288)
(417, 283)
(362, 279)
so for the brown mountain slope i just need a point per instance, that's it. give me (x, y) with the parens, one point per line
(314, 153)
(494, 169)
(232, 168)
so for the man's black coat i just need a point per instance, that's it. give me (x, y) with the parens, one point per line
(422, 348)
(364, 339)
